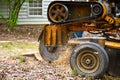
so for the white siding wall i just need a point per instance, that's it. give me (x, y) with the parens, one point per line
(4, 9)
(45, 5)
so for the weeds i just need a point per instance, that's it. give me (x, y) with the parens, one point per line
(106, 77)
(22, 59)
(17, 48)
(74, 72)
(3, 67)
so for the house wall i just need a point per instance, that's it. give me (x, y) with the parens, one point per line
(4, 9)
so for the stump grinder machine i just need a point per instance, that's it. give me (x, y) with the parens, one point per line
(91, 56)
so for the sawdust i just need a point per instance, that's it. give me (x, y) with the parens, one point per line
(64, 59)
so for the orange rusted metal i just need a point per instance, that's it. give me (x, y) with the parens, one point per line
(83, 28)
(110, 44)
(117, 21)
(55, 35)
(47, 35)
(109, 19)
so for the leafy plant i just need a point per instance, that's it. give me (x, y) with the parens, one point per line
(3, 67)
(74, 72)
(22, 59)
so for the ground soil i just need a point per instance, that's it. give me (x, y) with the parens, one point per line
(28, 67)
(31, 69)
(25, 32)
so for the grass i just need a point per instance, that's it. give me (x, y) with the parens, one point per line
(15, 48)
(74, 72)
(3, 67)
(21, 58)
(106, 77)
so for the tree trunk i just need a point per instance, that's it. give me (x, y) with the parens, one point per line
(14, 12)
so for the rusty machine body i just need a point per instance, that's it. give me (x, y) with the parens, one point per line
(91, 56)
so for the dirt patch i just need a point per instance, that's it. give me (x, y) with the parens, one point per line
(31, 69)
(26, 32)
